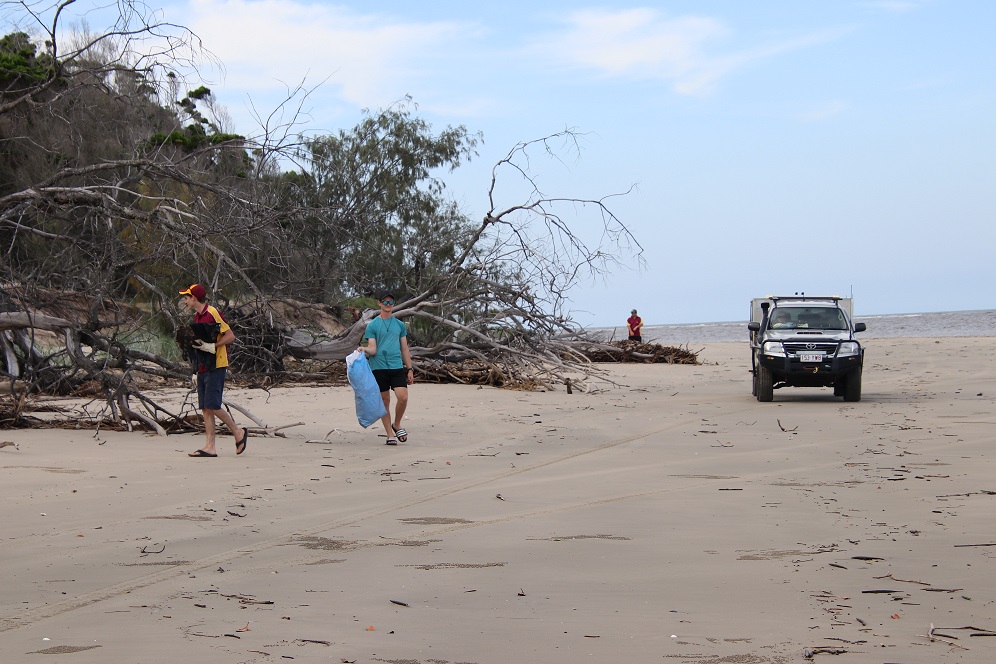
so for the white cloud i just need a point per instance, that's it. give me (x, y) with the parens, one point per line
(267, 45)
(647, 44)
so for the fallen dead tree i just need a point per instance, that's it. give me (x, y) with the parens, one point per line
(473, 372)
(634, 351)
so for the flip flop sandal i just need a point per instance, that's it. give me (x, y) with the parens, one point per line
(401, 434)
(201, 454)
(392, 441)
(240, 446)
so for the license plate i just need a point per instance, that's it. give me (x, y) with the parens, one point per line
(811, 357)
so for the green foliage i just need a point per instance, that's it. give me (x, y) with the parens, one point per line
(381, 216)
(154, 341)
(199, 133)
(361, 303)
(19, 60)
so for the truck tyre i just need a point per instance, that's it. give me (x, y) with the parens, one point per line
(852, 388)
(765, 383)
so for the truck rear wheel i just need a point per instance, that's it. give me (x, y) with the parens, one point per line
(765, 383)
(852, 386)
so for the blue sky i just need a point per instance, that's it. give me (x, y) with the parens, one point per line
(775, 145)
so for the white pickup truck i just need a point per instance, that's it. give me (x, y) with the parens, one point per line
(805, 341)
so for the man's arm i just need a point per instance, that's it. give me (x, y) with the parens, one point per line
(226, 338)
(406, 358)
(371, 348)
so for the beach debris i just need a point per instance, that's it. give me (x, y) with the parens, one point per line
(879, 592)
(243, 599)
(7, 443)
(634, 351)
(326, 438)
(869, 558)
(795, 428)
(889, 576)
(521, 593)
(235, 513)
(318, 641)
(61, 650)
(370, 628)
(809, 653)
(498, 496)
(948, 640)
(567, 382)
(962, 545)
(145, 549)
(398, 602)
(243, 629)
(837, 565)
(234, 636)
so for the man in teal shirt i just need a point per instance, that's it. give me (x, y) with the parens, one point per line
(391, 362)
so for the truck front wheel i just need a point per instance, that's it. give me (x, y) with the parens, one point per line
(852, 386)
(765, 383)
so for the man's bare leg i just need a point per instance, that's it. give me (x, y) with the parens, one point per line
(386, 418)
(209, 431)
(229, 421)
(399, 409)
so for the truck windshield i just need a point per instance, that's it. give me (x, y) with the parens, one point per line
(818, 318)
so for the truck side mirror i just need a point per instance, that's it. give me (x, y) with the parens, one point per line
(754, 326)
(859, 327)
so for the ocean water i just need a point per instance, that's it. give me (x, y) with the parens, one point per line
(979, 323)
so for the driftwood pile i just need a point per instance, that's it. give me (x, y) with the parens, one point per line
(634, 351)
(473, 372)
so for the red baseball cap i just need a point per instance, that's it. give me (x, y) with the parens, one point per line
(196, 290)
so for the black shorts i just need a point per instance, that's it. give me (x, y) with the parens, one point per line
(632, 338)
(389, 379)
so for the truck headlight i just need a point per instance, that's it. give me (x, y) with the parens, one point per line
(848, 348)
(773, 348)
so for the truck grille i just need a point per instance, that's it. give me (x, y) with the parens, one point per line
(794, 348)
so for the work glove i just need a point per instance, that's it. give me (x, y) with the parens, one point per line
(205, 346)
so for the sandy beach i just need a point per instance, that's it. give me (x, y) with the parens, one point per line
(667, 518)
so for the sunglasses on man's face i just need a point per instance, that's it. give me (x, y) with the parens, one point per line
(388, 303)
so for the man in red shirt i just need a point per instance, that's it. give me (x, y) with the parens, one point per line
(212, 368)
(635, 324)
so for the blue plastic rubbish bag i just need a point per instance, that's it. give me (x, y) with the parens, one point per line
(369, 404)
